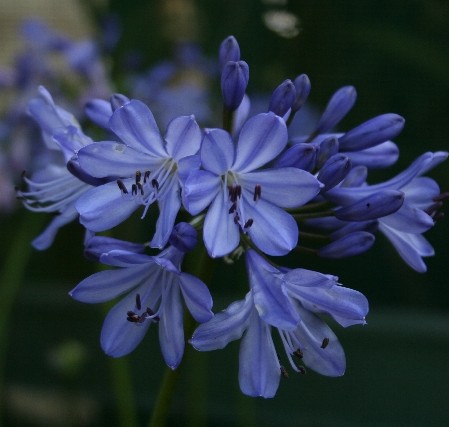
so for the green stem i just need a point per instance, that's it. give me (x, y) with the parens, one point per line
(11, 278)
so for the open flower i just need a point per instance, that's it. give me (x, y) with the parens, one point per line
(241, 198)
(149, 168)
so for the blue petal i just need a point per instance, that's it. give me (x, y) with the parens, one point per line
(220, 234)
(106, 285)
(261, 139)
(273, 231)
(99, 111)
(120, 337)
(380, 156)
(409, 220)
(224, 327)
(310, 333)
(134, 124)
(102, 208)
(270, 299)
(197, 297)
(171, 327)
(217, 151)
(109, 158)
(200, 189)
(421, 192)
(183, 137)
(285, 187)
(259, 370)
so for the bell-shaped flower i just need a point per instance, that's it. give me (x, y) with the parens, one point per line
(242, 198)
(153, 286)
(148, 166)
(288, 301)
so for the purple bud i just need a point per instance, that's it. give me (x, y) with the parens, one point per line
(379, 156)
(372, 132)
(303, 86)
(301, 156)
(118, 100)
(234, 80)
(334, 171)
(99, 111)
(183, 237)
(229, 51)
(338, 106)
(282, 98)
(349, 245)
(99, 245)
(327, 148)
(351, 227)
(374, 206)
(356, 177)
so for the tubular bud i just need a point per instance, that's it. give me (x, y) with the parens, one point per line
(349, 245)
(234, 80)
(282, 98)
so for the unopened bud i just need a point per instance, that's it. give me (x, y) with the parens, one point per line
(229, 51)
(334, 171)
(282, 98)
(234, 80)
(303, 86)
(349, 245)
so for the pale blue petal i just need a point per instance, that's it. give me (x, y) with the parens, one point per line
(409, 219)
(197, 297)
(310, 333)
(169, 206)
(285, 187)
(220, 234)
(106, 285)
(200, 189)
(217, 151)
(273, 231)
(120, 337)
(259, 369)
(380, 156)
(411, 247)
(224, 327)
(183, 137)
(134, 124)
(421, 192)
(171, 326)
(261, 139)
(308, 278)
(104, 207)
(186, 166)
(109, 158)
(270, 299)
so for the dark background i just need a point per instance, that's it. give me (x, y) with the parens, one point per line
(396, 53)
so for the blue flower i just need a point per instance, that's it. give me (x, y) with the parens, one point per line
(149, 167)
(290, 301)
(153, 286)
(241, 198)
(404, 227)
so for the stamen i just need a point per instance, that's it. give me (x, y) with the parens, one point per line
(284, 372)
(233, 208)
(138, 177)
(298, 353)
(151, 313)
(146, 176)
(248, 223)
(122, 186)
(138, 302)
(155, 184)
(257, 192)
(433, 210)
(302, 370)
(325, 342)
(134, 190)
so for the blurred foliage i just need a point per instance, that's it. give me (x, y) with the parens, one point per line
(396, 53)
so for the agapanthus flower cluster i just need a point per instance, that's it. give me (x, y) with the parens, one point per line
(247, 189)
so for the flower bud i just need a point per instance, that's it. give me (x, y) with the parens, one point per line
(372, 132)
(338, 106)
(118, 100)
(282, 98)
(234, 80)
(301, 156)
(334, 171)
(303, 86)
(374, 206)
(351, 227)
(349, 245)
(327, 148)
(229, 51)
(183, 237)
(379, 156)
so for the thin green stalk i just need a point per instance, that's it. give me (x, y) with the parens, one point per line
(11, 278)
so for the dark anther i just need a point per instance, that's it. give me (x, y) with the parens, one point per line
(146, 176)
(134, 189)
(248, 223)
(151, 313)
(122, 186)
(257, 192)
(233, 208)
(140, 187)
(433, 210)
(302, 370)
(138, 177)
(155, 184)
(284, 372)
(298, 353)
(133, 317)
(325, 342)
(239, 191)
(138, 303)
(235, 192)
(236, 219)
